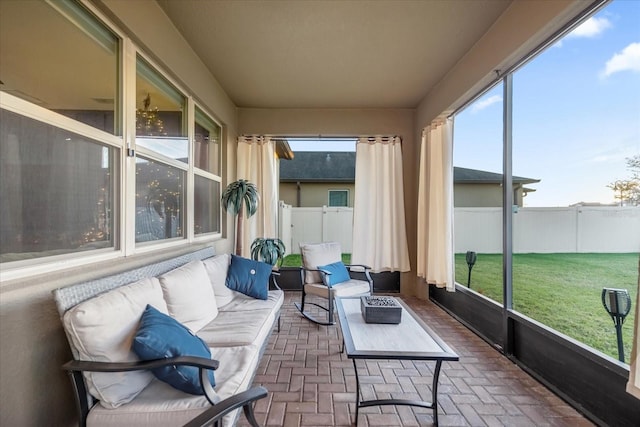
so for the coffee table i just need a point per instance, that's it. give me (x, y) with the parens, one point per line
(411, 339)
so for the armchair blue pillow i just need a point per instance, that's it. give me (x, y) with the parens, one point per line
(160, 336)
(249, 277)
(338, 272)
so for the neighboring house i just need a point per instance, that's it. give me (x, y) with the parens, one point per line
(476, 188)
(318, 178)
(327, 178)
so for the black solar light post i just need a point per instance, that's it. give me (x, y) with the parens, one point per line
(471, 260)
(617, 302)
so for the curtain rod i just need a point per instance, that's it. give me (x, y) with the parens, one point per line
(321, 137)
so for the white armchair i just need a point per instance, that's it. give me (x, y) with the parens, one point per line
(317, 281)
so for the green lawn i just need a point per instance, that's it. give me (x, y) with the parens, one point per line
(562, 291)
(295, 260)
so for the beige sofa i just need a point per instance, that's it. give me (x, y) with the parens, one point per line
(100, 319)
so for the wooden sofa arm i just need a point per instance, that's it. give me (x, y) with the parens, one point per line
(242, 400)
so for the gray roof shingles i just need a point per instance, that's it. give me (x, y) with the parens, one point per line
(340, 166)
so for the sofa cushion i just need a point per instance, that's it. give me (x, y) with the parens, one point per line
(189, 295)
(315, 254)
(246, 303)
(160, 336)
(217, 268)
(234, 328)
(101, 329)
(338, 272)
(249, 277)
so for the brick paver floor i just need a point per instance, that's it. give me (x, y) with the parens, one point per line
(311, 383)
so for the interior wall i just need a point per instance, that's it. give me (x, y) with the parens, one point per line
(349, 122)
(34, 391)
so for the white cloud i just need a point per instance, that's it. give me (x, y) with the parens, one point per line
(626, 60)
(590, 28)
(484, 103)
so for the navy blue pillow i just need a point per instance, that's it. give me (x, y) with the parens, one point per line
(160, 336)
(249, 277)
(338, 272)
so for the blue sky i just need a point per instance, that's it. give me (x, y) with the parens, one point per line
(576, 111)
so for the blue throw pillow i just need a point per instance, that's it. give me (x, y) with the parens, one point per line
(160, 336)
(249, 277)
(338, 272)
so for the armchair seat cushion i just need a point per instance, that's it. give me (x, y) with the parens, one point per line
(349, 288)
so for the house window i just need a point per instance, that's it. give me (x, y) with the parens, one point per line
(37, 61)
(207, 179)
(162, 156)
(339, 198)
(60, 147)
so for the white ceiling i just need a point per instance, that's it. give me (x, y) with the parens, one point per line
(331, 54)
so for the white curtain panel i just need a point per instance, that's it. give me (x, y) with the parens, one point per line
(379, 233)
(435, 206)
(257, 164)
(633, 386)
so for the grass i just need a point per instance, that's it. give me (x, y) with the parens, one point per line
(562, 291)
(295, 260)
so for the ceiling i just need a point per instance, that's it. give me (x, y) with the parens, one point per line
(331, 54)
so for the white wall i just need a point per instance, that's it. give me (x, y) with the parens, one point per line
(550, 230)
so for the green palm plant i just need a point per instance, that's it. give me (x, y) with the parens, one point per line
(269, 250)
(239, 198)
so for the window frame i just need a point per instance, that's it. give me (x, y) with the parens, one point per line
(338, 190)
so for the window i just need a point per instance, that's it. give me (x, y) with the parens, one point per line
(339, 198)
(575, 124)
(59, 174)
(70, 65)
(64, 195)
(207, 174)
(162, 156)
(477, 192)
(574, 138)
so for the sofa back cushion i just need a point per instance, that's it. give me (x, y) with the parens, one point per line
(217, 268)
(102, 329)
(189, 295)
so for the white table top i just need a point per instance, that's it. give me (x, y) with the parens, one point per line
(411, 338)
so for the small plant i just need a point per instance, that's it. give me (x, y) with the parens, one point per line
(268, 250)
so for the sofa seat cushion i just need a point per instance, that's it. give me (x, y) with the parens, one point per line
(243, 302)
(158, 405)
(236, 328)
(161, 405)
(102, 329)
(189, 295)
(349, 288)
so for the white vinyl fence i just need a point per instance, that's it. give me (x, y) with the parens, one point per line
(604, 229)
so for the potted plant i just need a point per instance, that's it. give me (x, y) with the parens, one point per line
(269, 250)
(240, 198)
